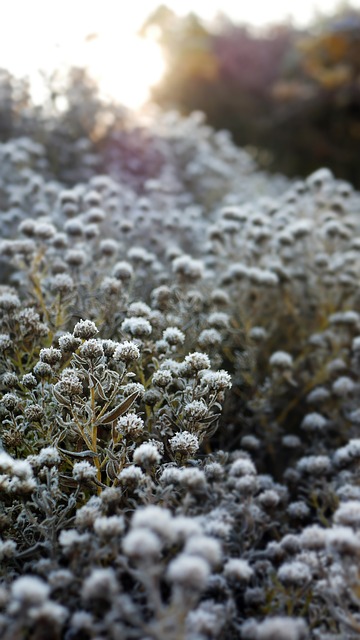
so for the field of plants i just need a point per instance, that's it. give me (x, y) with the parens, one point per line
(179, 383)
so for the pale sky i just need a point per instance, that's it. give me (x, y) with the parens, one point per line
(46, 34)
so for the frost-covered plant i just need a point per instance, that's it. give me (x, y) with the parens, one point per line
(135, 319)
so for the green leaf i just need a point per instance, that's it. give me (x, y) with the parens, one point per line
(118, 411)
(68, 482)
(101, 393)
(61, 399)
(209, 419)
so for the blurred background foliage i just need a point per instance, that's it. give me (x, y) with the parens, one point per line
(291, 95)
(80, 133)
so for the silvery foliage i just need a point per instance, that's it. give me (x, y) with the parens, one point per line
(132, 324)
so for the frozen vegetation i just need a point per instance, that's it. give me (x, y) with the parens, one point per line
(180, 408)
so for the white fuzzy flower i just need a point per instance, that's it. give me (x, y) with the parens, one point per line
(84, 471)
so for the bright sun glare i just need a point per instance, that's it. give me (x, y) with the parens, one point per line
(41, 35)
(126, 69)
(56, 36)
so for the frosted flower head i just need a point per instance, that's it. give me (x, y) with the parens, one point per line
(6, 462)
(9, 302)
(7, 550)
(110, 287)
(189, 572)
(347, 454)
(314, 465)
(318, 395)
(68, 196)
(109, 527)
(48, 457)
(30, 591)
(214, 471)
(184, 443)
(299, 510)
(238, 570)
(258, 334)
(74, 228)
(88, 513)
(204, 547)
(173, 336)
(85, 329)
(137, 327)
(84, 471)
(49, 614)
(242, 467)
(188, 268)
(314, 422)
(51, 355)
(92, 198)
(126, 352)
(343, 540)
(294, 573)
(250, 443)
(209, 338)
(134, 387)
(60, 241)
(130, 425)
(216, 380)
(162, 378)
(91, 349)
(69, 385)
(82, 621)
(108, 247)
(10, 401)
(43, 370)
(146, 455)
(68, 343)
(62, 284)
(29, 381)
(219, 320)
(220, 297)
(193, 479)
(195, 410)
(269, 499)
(44, 230)
(9, 379)
(281, 360)
(313, 537)
(132, 476)
(70, 538)
(75, 257)
(281, 628)
(95, 215)
(123, 271)
(27, 227)
(101, 584)
(343, 386)
(5, 342)
(142, 545)
(156, 518)
(139, 310)
(320, 178)
(348, 514)
(184, 528)
(170, 475)
(197, 361)
(262, 277)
